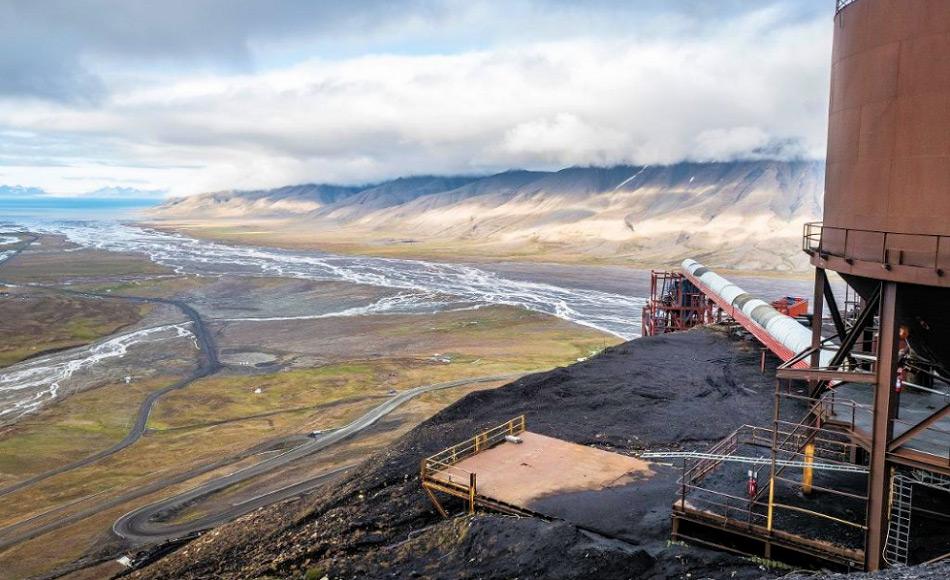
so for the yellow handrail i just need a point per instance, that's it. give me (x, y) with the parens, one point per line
(478, 443)
(444, 462)
(820, 515)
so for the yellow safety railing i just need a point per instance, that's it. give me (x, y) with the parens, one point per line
(440, 471)
(445, 459)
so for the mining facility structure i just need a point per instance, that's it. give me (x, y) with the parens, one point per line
(859, 473)
(854, 471)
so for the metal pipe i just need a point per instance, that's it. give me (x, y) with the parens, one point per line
(808, 471)
(784, 329)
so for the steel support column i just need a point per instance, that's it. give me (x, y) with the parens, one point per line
(818, 311)
(883, 430)
(833, 308)
(848, 342)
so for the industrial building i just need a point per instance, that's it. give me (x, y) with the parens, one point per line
(854, 471)
(859, 467)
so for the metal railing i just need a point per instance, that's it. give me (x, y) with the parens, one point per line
(756, 460)
(447, 458)
(741, 511)
(851, 414)
(440, 472)
(885, 252)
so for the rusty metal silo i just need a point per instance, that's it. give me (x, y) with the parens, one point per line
(887, 189)
(886, 230)
(874, 375)
(887, 193)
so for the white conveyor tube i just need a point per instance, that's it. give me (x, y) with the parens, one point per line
(784, 329)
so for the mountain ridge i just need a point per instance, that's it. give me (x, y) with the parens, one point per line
(742, 214)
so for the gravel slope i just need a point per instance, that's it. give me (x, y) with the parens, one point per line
(687, 390)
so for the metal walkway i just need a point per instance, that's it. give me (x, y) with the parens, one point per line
(753, 460)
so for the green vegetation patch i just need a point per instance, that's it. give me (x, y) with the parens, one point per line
(164, 287)
(38, 322)
(471, 344)
(59, 266)
(526, 339)
(77, 426)
(228, 397)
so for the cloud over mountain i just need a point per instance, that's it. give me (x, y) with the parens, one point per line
(201, 96)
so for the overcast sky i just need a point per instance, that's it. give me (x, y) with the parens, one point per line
(188, 96)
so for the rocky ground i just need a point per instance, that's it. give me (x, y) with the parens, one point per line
(938, 571)
(677, 391)
(680, 390)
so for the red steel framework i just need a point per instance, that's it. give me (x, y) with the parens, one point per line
(886, 232)
(675, 304)
(897, 452)
(679, 301)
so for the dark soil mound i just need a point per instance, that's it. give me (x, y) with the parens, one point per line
(465, 547)
(939, 571)
(686, 389)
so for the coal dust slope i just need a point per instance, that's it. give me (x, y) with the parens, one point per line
(935, 571)
(682, 390)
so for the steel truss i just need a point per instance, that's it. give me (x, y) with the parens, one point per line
(764, 460)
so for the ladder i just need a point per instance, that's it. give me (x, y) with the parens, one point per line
(897, 546)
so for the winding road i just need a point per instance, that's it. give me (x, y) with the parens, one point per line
(142, 526)
(22, 530)
(208, 364)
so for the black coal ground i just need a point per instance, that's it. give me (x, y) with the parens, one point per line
(936, 571)
(685, 390)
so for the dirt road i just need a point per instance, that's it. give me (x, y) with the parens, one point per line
(142, 525)
(208, 364)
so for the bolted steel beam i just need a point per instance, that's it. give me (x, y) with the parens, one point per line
(885, 408)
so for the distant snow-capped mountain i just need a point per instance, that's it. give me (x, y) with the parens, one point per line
(285, 201)
(19, 191)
